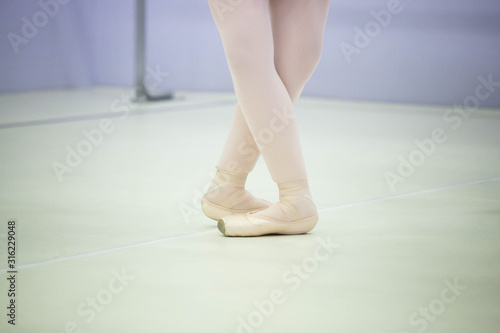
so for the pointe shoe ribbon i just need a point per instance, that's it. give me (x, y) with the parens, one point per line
(239, 202)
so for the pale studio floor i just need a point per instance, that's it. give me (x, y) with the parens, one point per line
(422, 258)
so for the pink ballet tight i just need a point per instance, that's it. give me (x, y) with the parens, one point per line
(272, 48)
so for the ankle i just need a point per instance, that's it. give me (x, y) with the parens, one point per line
(295, 203)
(293, 190)
(225, 182)
(235, 179)
(228, 190)
(298, 195)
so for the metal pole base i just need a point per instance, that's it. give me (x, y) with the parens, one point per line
(141, 94)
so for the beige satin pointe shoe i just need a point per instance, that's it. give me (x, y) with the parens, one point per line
(228, 190)
(295, 213)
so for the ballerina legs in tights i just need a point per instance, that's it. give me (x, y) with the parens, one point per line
(272, 48)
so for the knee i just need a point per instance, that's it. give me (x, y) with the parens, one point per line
(308, 56)
(295, 68)
(315, 52)
(301, 63)
(246, 53)
(238, 55)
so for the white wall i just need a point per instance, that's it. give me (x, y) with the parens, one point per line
(432, 52)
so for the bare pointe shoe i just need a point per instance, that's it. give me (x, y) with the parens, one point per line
(295, 213)
(227, 196)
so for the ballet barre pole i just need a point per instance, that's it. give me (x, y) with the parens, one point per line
(141, 91)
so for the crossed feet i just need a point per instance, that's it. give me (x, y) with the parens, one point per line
(239, 213)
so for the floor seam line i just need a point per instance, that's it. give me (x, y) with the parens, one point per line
(124, 114)
(113, 249)
(411, 194)
(359, 203)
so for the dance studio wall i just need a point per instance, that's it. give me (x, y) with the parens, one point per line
(429, 52)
